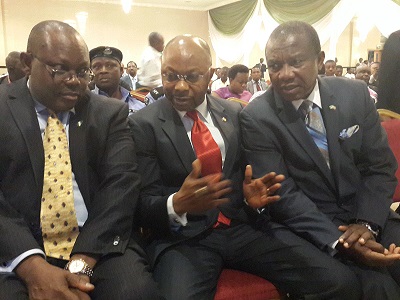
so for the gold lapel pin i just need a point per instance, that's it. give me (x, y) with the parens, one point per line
(79, 123)
(223, 119)
(332, 107)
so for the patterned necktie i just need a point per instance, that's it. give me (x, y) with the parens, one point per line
(315, 126)
(258, 86)
(57, 214)
(206, 148)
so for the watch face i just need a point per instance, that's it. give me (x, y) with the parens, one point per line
(76, 266)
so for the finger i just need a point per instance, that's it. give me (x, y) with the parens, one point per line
(273, 189)
(374, 246)
(79, 283)
(196, 169)
(365, 237)
(80, 295)
(269, 178)
(268, 200)
(217, 202)
(248, 174)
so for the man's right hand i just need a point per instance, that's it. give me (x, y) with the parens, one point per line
(199, 194)
(45, 281)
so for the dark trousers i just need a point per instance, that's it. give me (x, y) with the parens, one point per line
(119, 277)
(190, 270)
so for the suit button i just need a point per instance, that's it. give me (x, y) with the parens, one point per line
(116, 240)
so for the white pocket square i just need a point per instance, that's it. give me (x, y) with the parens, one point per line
(347, 133)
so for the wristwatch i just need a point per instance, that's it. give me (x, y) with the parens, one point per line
(374, 229)
(79, 266)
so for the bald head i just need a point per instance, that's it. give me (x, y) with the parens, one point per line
(44, 34)
(186, 72)
(14, 66)
(156, 40)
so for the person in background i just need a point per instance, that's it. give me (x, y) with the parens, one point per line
(106, 65)
(363, 72)
(330, 67)
(339, 71)
(350, 73)
(15, 69)
(256, 84)
(223, 81)
(325, 136)
(374, 79)
(262, 67)
(68, 181)
(131, 77)
(150, 68)
(238, 75)
(192, 194)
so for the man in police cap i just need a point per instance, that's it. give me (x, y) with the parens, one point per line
(106, 65)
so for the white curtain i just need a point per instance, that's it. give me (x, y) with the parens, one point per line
(233, 49)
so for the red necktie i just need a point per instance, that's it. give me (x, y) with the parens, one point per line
(206, 148)
(258, 86)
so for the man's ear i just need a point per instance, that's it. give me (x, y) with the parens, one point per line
(26, 61)
(210, 74)
(321, 58)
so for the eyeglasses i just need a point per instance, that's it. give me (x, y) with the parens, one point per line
(190, 78)
(85, 74)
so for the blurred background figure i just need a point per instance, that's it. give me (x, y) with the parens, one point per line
(374, 79)
(222, 81)
(131, 77)
(363, 72)
(330, 67)
(339, 71)
(150, 69)
(262, 67)
(256, 84)
(389, 74)
(15, 69)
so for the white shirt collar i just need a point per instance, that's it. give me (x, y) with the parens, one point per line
(202, 109)
(314, 97)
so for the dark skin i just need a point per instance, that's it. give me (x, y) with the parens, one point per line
(107, 73)
(293, 67)
(187, 55)
(59, 47)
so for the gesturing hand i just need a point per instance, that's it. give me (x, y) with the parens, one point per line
(198, 195)
(259, 192)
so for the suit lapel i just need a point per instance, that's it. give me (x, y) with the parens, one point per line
(23, 111)
(290, 118)
(173, 127)
(77, 146)
(224, 123)
(330, 113)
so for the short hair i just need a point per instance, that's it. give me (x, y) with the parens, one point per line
(330, 61)
(154, 38)
(339, 67)
(289, 28)
(12, 56)
(131, 62)
(237, 69)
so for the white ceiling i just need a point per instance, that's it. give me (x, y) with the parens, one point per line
(202, 5)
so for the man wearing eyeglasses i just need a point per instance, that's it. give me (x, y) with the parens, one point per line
(192, 197)
(106, 66)
(53, 112)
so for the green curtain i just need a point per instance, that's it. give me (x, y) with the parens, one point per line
(309, 11)
(231, 18)
(396, 1)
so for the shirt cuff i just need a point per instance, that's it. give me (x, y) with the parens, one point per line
(174, 219)
(332, 248)
(9, 266)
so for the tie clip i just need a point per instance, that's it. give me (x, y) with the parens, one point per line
(223, 119)
(332, 107)
(79, 124)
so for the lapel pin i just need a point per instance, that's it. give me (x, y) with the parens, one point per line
(332, 107)
(79, 123)
(223, 119)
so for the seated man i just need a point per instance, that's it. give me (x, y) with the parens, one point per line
(363, 72)
(330, 67)
(256, 84)
(324, 135)
(238, 76)
(222, 81)
(106, 66)
(15, 69)
(68, 181)
(195, 207)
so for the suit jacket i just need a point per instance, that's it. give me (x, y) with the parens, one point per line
(127, 80)
(102, 157)
(165, 155)
(360, 181)
(250, 86)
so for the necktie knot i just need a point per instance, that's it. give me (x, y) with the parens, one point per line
(305, 108)
(193, 115)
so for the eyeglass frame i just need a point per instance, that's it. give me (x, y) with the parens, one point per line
(53, 72)
(184, 77)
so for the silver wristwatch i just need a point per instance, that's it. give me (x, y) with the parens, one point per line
(79, 266)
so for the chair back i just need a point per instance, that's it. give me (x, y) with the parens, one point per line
(392, 128)
(387, 115)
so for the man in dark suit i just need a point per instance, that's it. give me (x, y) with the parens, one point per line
(352, 185)
(256, 84)
(261, 66)
(200, 224)
(104, 180)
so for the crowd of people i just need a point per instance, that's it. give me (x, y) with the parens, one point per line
(107, 195)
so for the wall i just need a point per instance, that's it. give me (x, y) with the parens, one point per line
(106, 24)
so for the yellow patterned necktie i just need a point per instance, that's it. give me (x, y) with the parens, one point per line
(57, 213)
